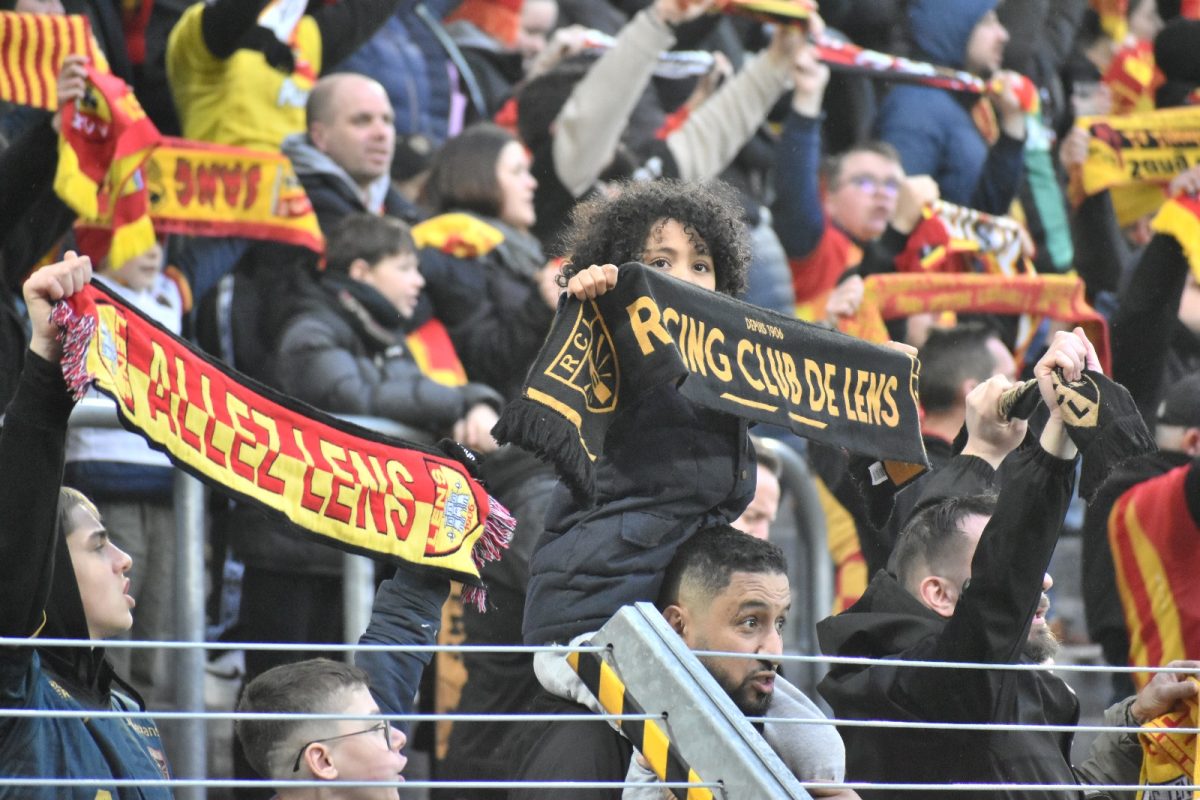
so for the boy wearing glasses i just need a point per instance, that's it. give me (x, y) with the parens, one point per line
(320, 749)
(407, 611)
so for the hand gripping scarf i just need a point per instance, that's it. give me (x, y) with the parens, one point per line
(1100, 417)
(723, 354)
(1169, 757)
(349, 487)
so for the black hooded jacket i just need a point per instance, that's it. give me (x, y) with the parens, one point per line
(990, 624)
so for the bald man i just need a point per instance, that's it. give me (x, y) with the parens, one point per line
(344, 158)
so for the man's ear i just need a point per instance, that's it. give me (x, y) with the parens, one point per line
(316, 133)
(1191, 441)
(676, 617)
(938, 594)
(359, 269)
(319, 759)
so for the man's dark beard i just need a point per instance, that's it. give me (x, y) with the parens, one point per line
(1041, 645)
(743, 695)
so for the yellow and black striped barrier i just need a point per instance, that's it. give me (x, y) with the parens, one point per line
(648, 736)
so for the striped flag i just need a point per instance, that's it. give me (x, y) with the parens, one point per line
(1153, 540)
(32, 49)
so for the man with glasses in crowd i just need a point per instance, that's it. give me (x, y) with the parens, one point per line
(842, 218)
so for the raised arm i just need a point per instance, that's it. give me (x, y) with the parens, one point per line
(225, 22)
(1148, 311)
(799, 217)
(992, 617)
(713, 135)
(407, 611)
(589, 127)
(347, 25)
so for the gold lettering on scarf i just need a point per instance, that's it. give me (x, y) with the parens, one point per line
(813, 387)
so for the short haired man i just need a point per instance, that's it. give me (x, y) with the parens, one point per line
(319, 749)
(344, 158)
(846, 216)
(968, 584)
(723, 591)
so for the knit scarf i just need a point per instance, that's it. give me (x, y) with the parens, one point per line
(105, 139)
(204, 189)
(601, 356)
(1169, 758)
(951, 238)
(1136, 156)
(1099, 415)
(32, 49)
(348, 487)
(896, 295)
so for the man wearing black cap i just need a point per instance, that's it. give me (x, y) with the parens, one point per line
(1177, 432)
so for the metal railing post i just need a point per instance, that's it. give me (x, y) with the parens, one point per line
(816, 595)
(192, 758)
(358, 595)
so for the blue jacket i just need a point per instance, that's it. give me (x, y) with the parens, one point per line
(406, 57)
(407, 611)
(669, 469)
(932, 128)
(72, 748)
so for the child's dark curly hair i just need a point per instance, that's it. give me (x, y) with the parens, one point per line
(614, 231)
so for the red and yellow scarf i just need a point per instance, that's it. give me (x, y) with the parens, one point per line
(349, 487)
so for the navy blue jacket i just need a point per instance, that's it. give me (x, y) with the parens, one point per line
(669, 469)
(408, 60)
(39, 596)
(933, 129)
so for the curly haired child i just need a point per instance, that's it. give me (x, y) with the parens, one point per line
(669, 467)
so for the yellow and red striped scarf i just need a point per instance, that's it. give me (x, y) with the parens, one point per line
(105, 139)
(1168, 757)
(32, 49)
(895, 295)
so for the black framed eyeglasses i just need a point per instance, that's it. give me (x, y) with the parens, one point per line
(383, 725)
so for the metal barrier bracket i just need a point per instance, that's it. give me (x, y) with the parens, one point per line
(709, 733)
